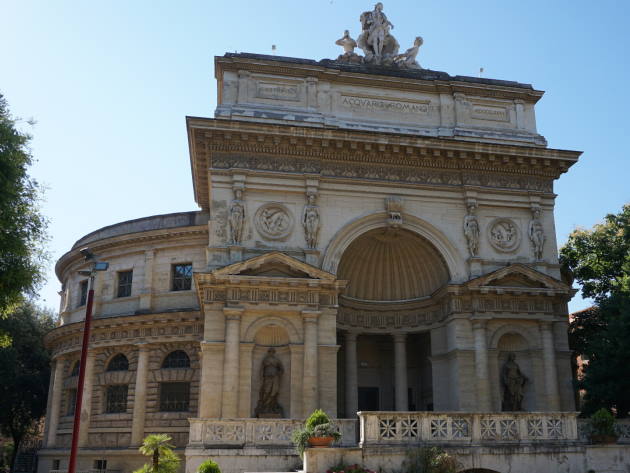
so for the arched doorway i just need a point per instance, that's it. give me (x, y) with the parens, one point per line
(384, 317)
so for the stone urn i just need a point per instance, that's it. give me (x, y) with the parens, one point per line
(320, 442)
(603, 439)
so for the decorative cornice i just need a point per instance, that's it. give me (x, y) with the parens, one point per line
(222, 145)
(143, 238)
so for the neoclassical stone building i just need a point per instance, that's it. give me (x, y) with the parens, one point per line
(387, 230)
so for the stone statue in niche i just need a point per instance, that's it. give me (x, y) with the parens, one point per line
(513, 382)
(271, 371)
(378, 45)
(537, 234)
(310, 221)
(236, 218)
(471, 229)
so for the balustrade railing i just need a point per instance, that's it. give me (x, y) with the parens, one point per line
(622, 427)
(391, 428)
(218, 433)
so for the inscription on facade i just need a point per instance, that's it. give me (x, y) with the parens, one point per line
(497, 114)
(369, 104)
(266, 90)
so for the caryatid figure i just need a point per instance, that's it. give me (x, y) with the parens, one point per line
(471, 230)
(537, 234)
(310, 221)
(236, 218)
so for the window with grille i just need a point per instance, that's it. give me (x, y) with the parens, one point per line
(182, 277)
(176, 359)
(124, 283)
(72, 401)
(75, 368)
(116, 398)
(56, 464)
(118, 363)
(174, 397)
(100, 465)
(83, 291)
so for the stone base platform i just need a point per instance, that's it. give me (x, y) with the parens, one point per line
(253, 459)
(497, 459)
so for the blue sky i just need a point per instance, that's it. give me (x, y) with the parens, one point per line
(110, 83)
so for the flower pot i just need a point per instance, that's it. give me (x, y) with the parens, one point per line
(603, 439)
(320, 442)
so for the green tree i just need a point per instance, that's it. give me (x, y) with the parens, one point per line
(22, 227)
(163, 459)
(599, 259)
(24, 372)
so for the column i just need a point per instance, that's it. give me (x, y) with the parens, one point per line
(549, 364)
(297, 365)
(211, 383)
(352, 395)
(400, 371)
(140, 397)
(481, 365)
(245, 386)
(231, 362)
(310, 394)
(86, 407)
(55, 404)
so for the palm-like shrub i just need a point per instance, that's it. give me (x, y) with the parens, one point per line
(163, 459)
(209, 466)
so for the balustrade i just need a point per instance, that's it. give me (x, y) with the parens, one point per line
(389, 428)
(218, 433)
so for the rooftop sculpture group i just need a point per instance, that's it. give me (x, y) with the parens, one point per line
(378, 44)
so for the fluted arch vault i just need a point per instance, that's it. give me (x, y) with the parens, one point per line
(392, 265)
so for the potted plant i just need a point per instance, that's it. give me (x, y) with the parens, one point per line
(318, 432)
(603, 427)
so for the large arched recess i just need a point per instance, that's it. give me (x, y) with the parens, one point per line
(387, 265)
(456, 264)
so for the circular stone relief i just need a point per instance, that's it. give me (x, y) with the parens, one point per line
(273, 221)
(504, 234)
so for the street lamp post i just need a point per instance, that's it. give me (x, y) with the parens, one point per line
(91, 273)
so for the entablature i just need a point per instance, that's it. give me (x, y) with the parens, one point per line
(218, 146)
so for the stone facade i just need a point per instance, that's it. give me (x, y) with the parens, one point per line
(388, 232)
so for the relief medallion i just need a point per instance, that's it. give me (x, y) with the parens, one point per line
(504, 234)
(273, 221)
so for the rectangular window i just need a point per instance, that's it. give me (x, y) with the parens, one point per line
(56, 464)
(182, 277)
(116, 398)
(174, 397)
(83, 292)
(100, 465)
(124, 283)
(72, 401)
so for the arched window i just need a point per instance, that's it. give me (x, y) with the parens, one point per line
(75, 368)
(176, 359)
(118, 363)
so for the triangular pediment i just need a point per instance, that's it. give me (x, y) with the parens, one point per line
(517, 276)
(274, 264)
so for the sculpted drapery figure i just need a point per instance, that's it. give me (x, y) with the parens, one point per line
(375, 40)
(471, 230)
(513, 382)
(310, 221)
(408, 58)
(537, 234)
(236, 218)
(271, 371)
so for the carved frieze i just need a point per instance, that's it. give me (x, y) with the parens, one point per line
(384, 172)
